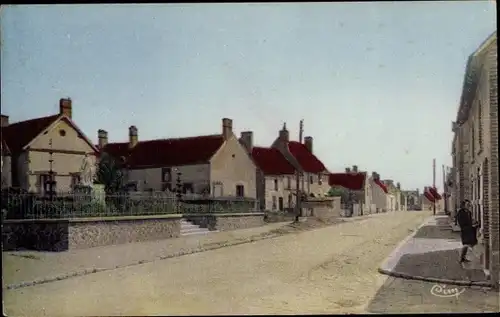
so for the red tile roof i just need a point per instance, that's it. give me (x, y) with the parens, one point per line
(308, 161)
(433, 191)
(19, 134)
(353, 181)
(381, 185)
(271, 161)
(168, 152)
(428, 195)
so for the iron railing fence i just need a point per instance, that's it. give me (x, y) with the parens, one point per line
(73, 205)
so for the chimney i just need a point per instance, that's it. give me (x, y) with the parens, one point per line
(284, 134)
(347, 169)
(65, 107)
(5, 121)
(246, 140)
(102, 136)
(355, 168)
(227, 128)
(308, 142)
(132, 137)
(398, 185)
(375, 176)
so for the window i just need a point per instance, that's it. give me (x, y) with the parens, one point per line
(288, 182)
(45, 184)
(187, 188)
(275, 184)
(320, 179)
(166, 186)
(62, 132)
(311, 179)
(274, 203)
(240, 191)
(75, 180)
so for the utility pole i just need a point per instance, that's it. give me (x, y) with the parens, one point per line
(445, 192)
(297, 188)
(434, 184)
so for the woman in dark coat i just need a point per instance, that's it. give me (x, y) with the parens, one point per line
(467, 228)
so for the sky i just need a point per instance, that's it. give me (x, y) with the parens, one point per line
(377, 84)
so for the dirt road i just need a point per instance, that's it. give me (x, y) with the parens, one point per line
(329, 270)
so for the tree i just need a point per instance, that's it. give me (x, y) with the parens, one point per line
(337, 191)
(109, 173)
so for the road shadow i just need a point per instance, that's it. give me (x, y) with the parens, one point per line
(408, 296)
(439, 264)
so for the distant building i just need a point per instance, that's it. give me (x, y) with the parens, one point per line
(278, 166)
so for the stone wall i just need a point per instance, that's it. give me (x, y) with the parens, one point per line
(323, 208)
(70, 234)
(229, 221)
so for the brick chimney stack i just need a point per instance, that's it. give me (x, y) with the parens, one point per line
(65, 107)
(308, 142)
(102, 136)
(246, 140)
(355, 168)
(284, 135)
(347, 169)
(5, 121)
(227, 128)
(133, 137)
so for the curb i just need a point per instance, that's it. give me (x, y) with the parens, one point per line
(435, 280)
(403, 243)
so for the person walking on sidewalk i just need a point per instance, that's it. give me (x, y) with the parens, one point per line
(468, 229)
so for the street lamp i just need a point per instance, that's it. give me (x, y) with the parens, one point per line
(51, 182)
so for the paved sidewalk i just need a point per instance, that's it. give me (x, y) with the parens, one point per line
(432, 254)
(26, 268)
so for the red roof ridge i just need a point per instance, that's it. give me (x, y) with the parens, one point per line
(183, 138)
(19, 134)
(306, 159)
(54, 116)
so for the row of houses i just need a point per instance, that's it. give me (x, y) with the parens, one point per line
(475, 175)
(217, 165)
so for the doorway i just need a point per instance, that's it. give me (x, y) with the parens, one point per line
(280, 203)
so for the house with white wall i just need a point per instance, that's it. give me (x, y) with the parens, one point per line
(277, 168)
(214, 165)
(43, 145)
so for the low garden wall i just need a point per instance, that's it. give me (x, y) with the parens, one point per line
(227, 221)
(326, 208)
(81, 233)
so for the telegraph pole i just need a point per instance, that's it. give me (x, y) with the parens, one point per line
(445, 192)
(297, 175)
(434, 184)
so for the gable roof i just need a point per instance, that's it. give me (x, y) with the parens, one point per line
(167, 152)
(308, 161)
(353, 181)
(17, 135)
(381, 185)
(20, 134)
(271, 161)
